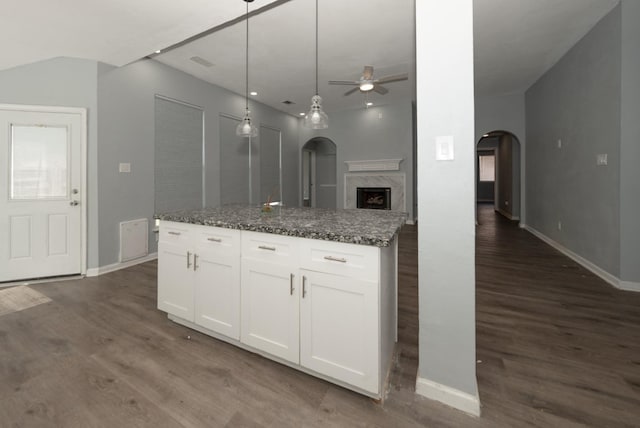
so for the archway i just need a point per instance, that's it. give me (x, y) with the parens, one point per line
(499, 172)
(319, 173)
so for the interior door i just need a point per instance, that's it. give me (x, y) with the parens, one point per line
(40, 194)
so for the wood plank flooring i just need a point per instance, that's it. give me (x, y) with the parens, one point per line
(557, 347)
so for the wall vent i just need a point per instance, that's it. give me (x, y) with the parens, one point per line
(134, 239)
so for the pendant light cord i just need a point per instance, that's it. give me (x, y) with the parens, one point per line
(316, 47)
(246, 63)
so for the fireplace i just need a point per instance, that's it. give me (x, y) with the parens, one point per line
(376, 198)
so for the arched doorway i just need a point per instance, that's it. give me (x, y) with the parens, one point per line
(498, 173)
(319, 173)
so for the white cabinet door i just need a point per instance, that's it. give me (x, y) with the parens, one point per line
(217, 292)
(270, 308)
(339, 328)
(175, 280)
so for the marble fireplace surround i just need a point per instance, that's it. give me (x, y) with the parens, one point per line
(396, 181)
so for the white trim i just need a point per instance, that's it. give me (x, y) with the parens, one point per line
(374, 165)
(117, 266)
(629, 286)
(611, 279)
(82, 112)
(508, 215)
(452, 397)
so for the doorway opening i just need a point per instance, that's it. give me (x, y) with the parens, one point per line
(319, 173)
(498, 173)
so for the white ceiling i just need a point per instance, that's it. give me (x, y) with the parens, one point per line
(516, 41)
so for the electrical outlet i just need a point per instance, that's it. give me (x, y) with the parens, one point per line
(559, 225)
(124, 167)
(601, 159)
(559, 143)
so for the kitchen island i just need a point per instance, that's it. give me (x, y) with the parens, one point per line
(314, 289)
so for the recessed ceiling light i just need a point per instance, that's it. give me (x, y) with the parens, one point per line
(158, 51)
(369, 103)
(485, 135)
(254, 93)
(302, 114)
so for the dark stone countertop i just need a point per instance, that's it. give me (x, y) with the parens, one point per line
(355, 226)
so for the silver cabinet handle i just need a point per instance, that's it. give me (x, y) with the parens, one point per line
(335, 259)
(304, 286)
(188, 258)
(174, 233)
(264, 247)
(291, 276)
(214, 239)
(195, 262)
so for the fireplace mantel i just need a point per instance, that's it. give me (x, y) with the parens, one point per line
(374, 165)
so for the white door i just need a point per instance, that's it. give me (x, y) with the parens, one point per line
(40, 194)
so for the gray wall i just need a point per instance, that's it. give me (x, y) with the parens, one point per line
(630, 144)
(126, 134)
(578, 101)
(383, 132)
(505, 174)
(69, 83)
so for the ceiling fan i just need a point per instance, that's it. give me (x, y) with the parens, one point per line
(368, 83)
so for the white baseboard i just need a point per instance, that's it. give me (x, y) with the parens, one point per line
(452, 397)
(611, 279)
(508, 215)
(629, 286)
(117, 266)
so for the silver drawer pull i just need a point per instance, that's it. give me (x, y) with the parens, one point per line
(264, 247)
(291, 276)
(335, 259)
(174, 233)
(214, 239)
(188, 259)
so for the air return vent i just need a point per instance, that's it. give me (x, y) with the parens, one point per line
(201, 61)
(287, 102)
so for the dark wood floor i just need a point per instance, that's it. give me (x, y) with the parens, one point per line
(556, 347)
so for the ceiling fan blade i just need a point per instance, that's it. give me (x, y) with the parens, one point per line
(395, 78)
(351, 91)
(343, 82)
(380, 89)
(367, 74)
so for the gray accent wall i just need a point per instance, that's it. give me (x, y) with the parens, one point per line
(569, 198)
(630, 144)
(63, 82)
(379, 132)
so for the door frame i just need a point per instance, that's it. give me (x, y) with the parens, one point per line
(82, 112)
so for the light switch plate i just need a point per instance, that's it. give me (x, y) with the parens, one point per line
(444, 147)
(125, 167)
(601, 159)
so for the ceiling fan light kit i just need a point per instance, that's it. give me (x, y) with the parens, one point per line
(245, 128)
(368, 83)
(316, 118)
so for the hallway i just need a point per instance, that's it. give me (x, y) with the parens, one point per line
(556, 345)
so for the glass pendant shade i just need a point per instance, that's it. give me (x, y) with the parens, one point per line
(316, 118)
(245, 128)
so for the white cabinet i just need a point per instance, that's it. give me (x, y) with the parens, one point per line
(217, 280)
(339, 328)
(324, 307)
(339, 312)
(270, 308)
(175, 273)
(199, 276)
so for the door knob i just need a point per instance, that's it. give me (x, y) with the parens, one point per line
(74, 203)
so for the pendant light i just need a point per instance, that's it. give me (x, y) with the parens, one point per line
(245, 128)
(316, 118)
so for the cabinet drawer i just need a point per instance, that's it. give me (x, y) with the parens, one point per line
(218, 240)
(174, 232)
(269, 247)
(358, 261)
